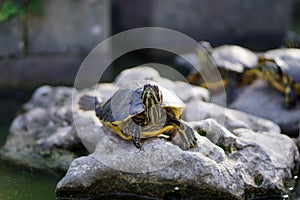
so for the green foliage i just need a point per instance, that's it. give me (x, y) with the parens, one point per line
(11, 8)
(201, 132)
(228, 149)
(8, 9)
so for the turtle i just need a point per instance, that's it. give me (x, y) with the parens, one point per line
(235, 64)
(291, 40)
(281, 68)
(141, 110)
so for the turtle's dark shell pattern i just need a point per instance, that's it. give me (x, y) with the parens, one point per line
(141, 110)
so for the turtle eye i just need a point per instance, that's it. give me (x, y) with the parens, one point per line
(157, 94)
(156, 89)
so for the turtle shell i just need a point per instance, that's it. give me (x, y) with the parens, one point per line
(126, 102)
(234, 58)
(288, 60)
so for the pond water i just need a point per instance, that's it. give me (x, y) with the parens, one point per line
(18, 183)
(23, 184)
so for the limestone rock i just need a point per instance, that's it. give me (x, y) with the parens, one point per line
(229, 163)
(264, 101)
(231, 119)
(183, 90)
(44, 136)
(239, 154)
(260, 162)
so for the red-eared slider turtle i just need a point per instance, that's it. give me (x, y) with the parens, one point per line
(235, 64)
(138, 111)
(291, 40)
(281, 68)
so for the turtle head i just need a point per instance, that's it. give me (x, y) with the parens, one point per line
(271, 66)
(151, 95)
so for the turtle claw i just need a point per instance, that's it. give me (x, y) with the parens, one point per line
(186, 133)
(137, 142)
(136, 137)
(290, 101)
(189, 137)
(193, 140)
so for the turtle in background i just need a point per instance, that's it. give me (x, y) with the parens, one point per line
(235, 64)
(139, 111)
(291, 40)
(281, 68)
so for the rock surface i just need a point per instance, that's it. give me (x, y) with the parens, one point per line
(239, 155)
(183, 90)
(164, 169)
(260, 95)
(230, 161)
(231, 119)
(44, 136)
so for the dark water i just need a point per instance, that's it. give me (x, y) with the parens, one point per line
(18, 183)
(23, 184)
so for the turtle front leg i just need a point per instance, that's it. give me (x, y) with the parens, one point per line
(290, 99)
(136, 137)
(131, 130)
(186, 133)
